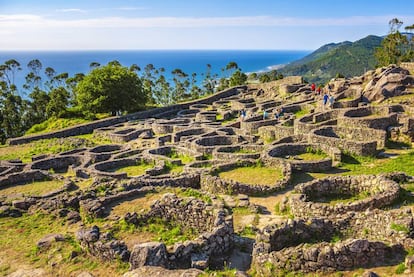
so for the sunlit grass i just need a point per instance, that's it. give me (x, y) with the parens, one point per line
(135, 170)
(311, 156)
(35, 188)
(44, 146)
(19, 237)
(253, 175)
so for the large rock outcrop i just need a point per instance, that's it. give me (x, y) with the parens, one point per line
(387, 82)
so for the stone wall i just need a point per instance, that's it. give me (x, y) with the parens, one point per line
(379, 191)
(88, 128)
(23, 178)
(238, 152)
(368, 117)
(330, 136)
(327, 257)
(214, 184)
(206, 145)
(102, 246)
(58, 163)
(280, 154)
(214, 226)
(251, 125)
(307, 123)
(408, 66)
(276, 132)
(306, 245)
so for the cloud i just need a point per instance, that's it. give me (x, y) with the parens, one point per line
(71, 10)
(22, 21)
(131, 8)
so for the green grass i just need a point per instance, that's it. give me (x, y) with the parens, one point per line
(229, 120)
(34, 188)
(185, 159)
(54, 124)
(345, 99)
(19, 237)
(46, 146)
(135, 170)
(301, 113)
(245, 151)
(156, 229)
(173, 169)
(355, 165)
(310, 156)
(258, 175)
(196, 194)
(337, 199)
(399, 228)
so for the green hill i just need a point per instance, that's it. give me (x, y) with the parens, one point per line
(346, 58)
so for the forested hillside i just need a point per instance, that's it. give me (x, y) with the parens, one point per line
(345, 58)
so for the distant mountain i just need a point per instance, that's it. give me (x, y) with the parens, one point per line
(346, 58)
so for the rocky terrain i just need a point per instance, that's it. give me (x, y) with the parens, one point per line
(194, 189)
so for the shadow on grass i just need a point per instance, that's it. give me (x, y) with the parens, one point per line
(348, 159)
(397, 145)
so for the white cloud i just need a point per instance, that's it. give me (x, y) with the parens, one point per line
(131, 8)
(28, 20)
(71, 10)
(29, 31)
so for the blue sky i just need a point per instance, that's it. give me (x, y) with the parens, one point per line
(179, 24)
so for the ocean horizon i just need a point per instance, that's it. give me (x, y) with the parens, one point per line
(189, 61)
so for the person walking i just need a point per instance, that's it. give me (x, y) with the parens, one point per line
(331, 101)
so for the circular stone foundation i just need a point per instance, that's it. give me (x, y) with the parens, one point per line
(238, 152)
(302, 156)
(231, 178)
(337, 195)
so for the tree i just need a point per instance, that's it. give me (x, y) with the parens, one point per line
(8, 72)
(36, 112)
(231, 67)
(12, 124)
(162, 91)
(59, 100)
(181, 84)
(238, 78)
(208, 82)
(195, 90)
(395, 47)
(111, 88)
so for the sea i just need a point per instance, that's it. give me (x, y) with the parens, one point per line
(189, 61)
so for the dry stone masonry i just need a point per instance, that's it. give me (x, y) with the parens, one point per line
(340, 223)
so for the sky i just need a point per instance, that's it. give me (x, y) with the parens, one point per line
(205, 24)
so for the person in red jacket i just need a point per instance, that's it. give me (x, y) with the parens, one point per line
(313, 86)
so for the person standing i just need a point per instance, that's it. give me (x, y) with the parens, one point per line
(325, 99)
(331, 101)
(313, 87)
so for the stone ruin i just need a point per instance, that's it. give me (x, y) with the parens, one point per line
(204, 137)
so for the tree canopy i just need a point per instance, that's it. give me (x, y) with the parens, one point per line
(110, 88)
(396, 47)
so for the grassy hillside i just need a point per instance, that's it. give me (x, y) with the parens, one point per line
(346, 58)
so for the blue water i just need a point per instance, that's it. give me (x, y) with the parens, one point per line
(189, 61)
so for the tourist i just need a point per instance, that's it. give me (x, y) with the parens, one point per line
(318, 90)
(325, 98)
(277, 114)
(264, 115)
(242, 114)
(313, 87)
(331, 101)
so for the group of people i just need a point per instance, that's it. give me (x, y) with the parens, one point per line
(278, 113)
(328, 98)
